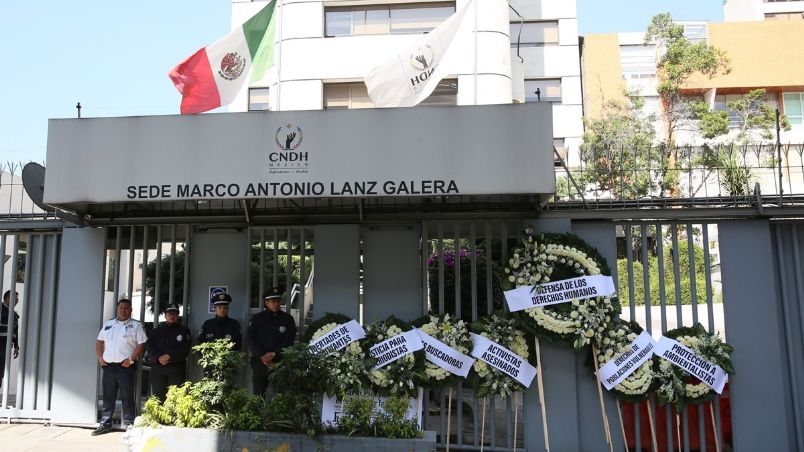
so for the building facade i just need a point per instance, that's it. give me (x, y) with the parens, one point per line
(752, 10)
(326, 48)
(757, 52)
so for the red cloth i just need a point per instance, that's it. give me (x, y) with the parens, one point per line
(660, 415)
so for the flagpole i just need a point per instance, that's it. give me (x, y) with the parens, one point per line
(280, 4)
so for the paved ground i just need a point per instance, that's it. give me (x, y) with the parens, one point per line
(36, 437)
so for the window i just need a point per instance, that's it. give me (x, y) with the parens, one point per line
(355, 95)
(721, 104)
(696, 33)
(794, 108)
(784, 16)
(258, 99)
(549, 90)
(638, 61)
(385, 19)
(534, 33)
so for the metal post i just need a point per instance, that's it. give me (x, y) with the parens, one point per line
(172, 286)
(779, 153)
(157, 299)
(50, 343)
(36, 317)
(7, 350)
(117, 250)
(130, 282)
(23, 331)
(185, 298)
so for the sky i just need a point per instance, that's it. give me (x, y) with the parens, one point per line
(113, 56)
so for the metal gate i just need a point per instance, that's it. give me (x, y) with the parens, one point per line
(30, 269)
(461, 271)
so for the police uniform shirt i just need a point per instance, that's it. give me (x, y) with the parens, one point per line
(271, 332)
(171, 339)
(221, 328)
(120, 339)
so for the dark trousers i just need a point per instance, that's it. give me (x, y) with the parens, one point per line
(3, 358)
(259, 377)
(117, 378)
(164, 376)
(3, 363)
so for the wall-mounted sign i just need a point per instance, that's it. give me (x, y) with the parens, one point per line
(423, 151)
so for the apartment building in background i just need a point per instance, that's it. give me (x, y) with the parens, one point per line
(326, 48)
(760, 57)
(752, 10)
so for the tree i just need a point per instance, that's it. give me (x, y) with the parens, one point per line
(618, 150)
(752, 117)
(679, 60)
(754, 120)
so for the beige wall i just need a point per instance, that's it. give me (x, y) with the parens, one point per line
(766, 54)
(602, 76)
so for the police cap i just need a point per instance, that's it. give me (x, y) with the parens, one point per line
(222, 299)
(173, 307)
(274, 292)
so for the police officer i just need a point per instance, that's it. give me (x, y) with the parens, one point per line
(120, 343)
(6, 332)
(168, 346)
(221, 326)
(268, 333)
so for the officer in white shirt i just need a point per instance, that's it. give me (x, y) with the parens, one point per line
(120, 343)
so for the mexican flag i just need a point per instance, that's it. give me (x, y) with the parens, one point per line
(213, 76)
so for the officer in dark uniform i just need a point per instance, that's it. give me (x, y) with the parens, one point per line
(221, 326)
(268, 333)
(168, 346)
(6, 332)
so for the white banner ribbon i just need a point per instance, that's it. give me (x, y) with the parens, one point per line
(444, 356)
(681, 356)
(562, 291)
(343, 335)
(503, 359)
(619, 368)
(396, 347)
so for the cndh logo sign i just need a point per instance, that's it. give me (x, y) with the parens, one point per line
(423, 62)
(288, 139)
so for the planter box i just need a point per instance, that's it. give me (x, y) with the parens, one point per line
(206, 440)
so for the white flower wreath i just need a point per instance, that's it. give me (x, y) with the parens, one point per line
(617, 341)
(401, 376)
(534, 262)
(452, 333)
(488, 380)
(346, 367)
(677, 386)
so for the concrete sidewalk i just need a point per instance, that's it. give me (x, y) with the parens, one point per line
(37, 437)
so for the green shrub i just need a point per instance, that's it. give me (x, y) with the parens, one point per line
(182, 408)
(355, 416)
(213, 402)
(393, 423)
(295, 412)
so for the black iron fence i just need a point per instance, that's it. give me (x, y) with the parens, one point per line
(719, 175)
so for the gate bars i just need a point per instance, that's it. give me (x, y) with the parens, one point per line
(132, 252)
(683, 256)
(31, 269)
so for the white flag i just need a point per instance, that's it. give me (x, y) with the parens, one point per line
(410, 76)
